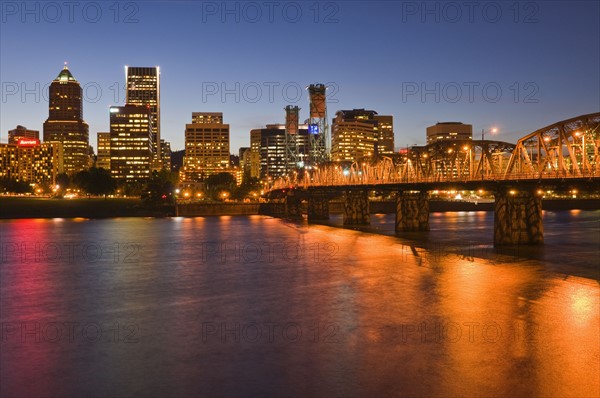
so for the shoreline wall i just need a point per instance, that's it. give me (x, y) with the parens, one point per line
(67, 209)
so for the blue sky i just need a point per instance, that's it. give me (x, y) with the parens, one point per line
(517, 66)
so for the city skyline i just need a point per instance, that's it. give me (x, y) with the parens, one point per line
(418, 81)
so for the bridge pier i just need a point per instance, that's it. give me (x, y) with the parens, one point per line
(318, 206)
(274, 208)
(293, 209)
(356, 208)
(518, 218)
(412, 211)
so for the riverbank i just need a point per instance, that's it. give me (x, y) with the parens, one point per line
(29, 207)
(12, 207)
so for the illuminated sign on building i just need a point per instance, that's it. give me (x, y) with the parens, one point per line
(28, 142)
(313, 129)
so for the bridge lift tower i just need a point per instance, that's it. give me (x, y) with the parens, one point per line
(292, 155)
(318, 129)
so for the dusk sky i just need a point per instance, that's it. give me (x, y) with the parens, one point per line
(544, 57)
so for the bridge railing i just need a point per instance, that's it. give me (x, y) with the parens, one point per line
(364, 177)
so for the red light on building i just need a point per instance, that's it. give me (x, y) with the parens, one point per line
(28, 142)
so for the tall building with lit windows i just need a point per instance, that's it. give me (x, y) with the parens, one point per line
(143, 88)
(31, 161)
(22, 132)
(165, 148)
(103, 158)
(358, 133)
(269, 146)
(354, 135)
(207, 117)
(449, 131)
(255, 143)
(385, 127)
(206, 146)
(131, 155)
(65, 122)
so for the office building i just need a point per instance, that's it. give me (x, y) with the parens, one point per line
(268, 150)
(143, 89)
(165, 147)
(65, 122)
(354, 135)
(131, 155)
(31, 161)
(103, 156)
(449, 131)
(385, 141)
(22, 132)
(206, 146)
(245, 156)
(255, 139)
(207, 118)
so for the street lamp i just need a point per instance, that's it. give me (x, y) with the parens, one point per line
(494, 130)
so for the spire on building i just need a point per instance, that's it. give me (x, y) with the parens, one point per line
(65, 75)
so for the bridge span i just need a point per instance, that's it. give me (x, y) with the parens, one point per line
(564, 155)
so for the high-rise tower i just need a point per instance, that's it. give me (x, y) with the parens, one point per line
(130, 142)
(206, 146)
(65, 121)
(318, 128)
(143, 88)
(291, 137)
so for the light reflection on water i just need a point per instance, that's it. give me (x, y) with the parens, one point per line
(255, 306)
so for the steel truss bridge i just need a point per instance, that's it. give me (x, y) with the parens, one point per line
(569, 149)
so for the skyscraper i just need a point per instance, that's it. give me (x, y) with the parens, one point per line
(143, 88)
(206, 146)
(385, 126)
(354, 135)
(270, 145)
(103, 159)
(360, 133)
(131, 135)
(65, 121)
(165, 148)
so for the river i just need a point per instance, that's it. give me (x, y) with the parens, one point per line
(257, 306)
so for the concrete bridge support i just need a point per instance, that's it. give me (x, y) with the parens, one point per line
(293, 209)
(273, 208)
(356, 208)
(412, 211)
(318, 206)
(518, 218)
